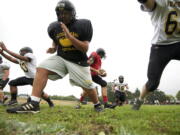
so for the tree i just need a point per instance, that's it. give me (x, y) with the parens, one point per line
(170, 99)
(156, 95)
(110, 92)
(129, 95)
(178, 95)
(136, 93)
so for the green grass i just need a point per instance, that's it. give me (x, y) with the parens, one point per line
(65, 120)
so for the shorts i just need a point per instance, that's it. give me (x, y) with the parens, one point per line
(97, 79)
(78, 75)
(21, 81)
(121, 96)
(160, 56)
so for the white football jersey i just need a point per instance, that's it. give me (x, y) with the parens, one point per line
(3, 66)
(121, 86)
(29, 68)
(166, 21)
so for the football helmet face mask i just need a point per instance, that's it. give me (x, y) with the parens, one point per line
(65, 11)
(25, 50)
(101, 52)
(121, 79)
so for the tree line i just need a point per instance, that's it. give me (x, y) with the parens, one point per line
(157, 95)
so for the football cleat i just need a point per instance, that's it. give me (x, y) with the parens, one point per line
(137, 104)
(98, 108)
(12, 102)
(109, 106)
(29, 107)
(78, 106)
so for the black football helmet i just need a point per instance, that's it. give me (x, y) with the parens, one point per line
(25, 50)
(101, 52)
(65, 5)
(121, 79)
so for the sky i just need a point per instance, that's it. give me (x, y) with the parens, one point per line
(120, 27)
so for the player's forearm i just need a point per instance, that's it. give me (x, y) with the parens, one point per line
(18, 56)
(80, 45)
(9, 58)
(93, 69)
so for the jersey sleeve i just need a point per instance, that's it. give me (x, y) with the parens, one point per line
(87, 31)
(30, 56)
(162, 3)
(92, 56)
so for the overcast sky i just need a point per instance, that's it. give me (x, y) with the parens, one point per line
(120, 27)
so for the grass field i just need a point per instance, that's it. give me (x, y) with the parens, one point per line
(63, 119)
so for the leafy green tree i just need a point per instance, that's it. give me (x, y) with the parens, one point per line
(178, 95)
(110, 92)
(129, 95)
(170, 98)
(156, 95)
(136, 93)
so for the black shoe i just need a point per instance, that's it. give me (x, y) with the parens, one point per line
(109, 106)
(29, 107)
(12, 102)
(78, 106)
(98, 108)
(84, 102)
(137, 104)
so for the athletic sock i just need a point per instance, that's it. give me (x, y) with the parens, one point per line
(47, 100)
(81, 98)
(105, 99)
(35, 99)
(13, 96)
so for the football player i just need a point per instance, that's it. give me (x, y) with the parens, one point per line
(120, 89)
(27, 62)
(4, 78)
(95, 62)
(71, 37)
(165, 16)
